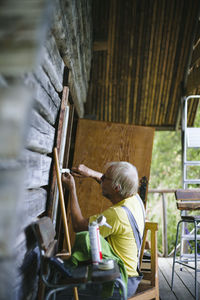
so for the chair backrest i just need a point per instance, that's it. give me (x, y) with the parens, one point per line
(153, 228)
(143, 189)
(188, 199)
(45, 235)
(149, 289)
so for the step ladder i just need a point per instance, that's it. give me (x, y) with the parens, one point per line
(191, 140)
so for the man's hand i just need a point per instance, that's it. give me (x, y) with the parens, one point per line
(79, 223)
(84, 172)
(68, 181)
(81, 171)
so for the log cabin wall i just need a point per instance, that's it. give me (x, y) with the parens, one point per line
(37, 43)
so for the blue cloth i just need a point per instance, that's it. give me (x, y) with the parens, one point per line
(135, 228)
(133, 282)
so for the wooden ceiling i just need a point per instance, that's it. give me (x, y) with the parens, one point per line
(141, 55)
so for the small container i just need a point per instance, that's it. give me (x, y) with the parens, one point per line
(106, 264)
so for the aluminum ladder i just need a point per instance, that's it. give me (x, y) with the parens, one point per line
(191, 139)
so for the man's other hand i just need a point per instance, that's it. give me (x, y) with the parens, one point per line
(68, 181)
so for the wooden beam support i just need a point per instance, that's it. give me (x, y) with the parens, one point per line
(60, 143)
(100, 46)
(193, 80)
(196, 54)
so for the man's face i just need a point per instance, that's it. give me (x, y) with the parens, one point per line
(106, 185)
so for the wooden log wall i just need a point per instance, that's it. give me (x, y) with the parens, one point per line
(72, 27)
(31, 84)
(36, 160)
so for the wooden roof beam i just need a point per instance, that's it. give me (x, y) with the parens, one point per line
(100, 45)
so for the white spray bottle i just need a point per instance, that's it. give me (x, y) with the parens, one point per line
(94, 235)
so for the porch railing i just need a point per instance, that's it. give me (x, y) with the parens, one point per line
(164, 214)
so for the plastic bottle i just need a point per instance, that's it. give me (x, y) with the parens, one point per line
(95, 243)
(94, 235)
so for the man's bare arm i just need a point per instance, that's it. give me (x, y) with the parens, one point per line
(84, 172)
(79, 223)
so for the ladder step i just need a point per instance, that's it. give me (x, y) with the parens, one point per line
(189, 255)
(192, 163)
(193, 137)
(190, 237)
(191, 181)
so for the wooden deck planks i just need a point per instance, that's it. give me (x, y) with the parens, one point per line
(187, 277)
(164, 288)
(183, 281)
(193, 275)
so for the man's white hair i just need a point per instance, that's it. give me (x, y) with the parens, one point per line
(125, 176)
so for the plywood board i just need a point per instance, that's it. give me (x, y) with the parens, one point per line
(100, 142)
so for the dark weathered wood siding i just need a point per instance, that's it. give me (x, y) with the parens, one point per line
(31, 84)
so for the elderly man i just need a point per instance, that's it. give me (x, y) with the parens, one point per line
(119, 185)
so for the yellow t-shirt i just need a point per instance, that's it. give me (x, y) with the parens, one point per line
(120, 236)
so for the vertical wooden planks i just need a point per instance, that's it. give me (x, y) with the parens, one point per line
(100, 142)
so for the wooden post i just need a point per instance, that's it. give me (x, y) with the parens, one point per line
(63, 211)
(60, 145)
(165, 242)
(62, 201)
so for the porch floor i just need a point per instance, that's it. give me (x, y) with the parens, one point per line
(184, 281)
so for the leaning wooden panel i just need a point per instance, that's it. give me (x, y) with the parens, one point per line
(100, 142)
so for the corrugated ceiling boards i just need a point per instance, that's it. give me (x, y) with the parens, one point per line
(142, 51)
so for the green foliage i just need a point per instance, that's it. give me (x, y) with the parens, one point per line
(166, 160)
(166, 173)
(155, 214)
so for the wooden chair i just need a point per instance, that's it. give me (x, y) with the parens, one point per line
(188, 199)
(149, 287)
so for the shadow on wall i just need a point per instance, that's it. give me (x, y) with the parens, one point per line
(30, 268)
